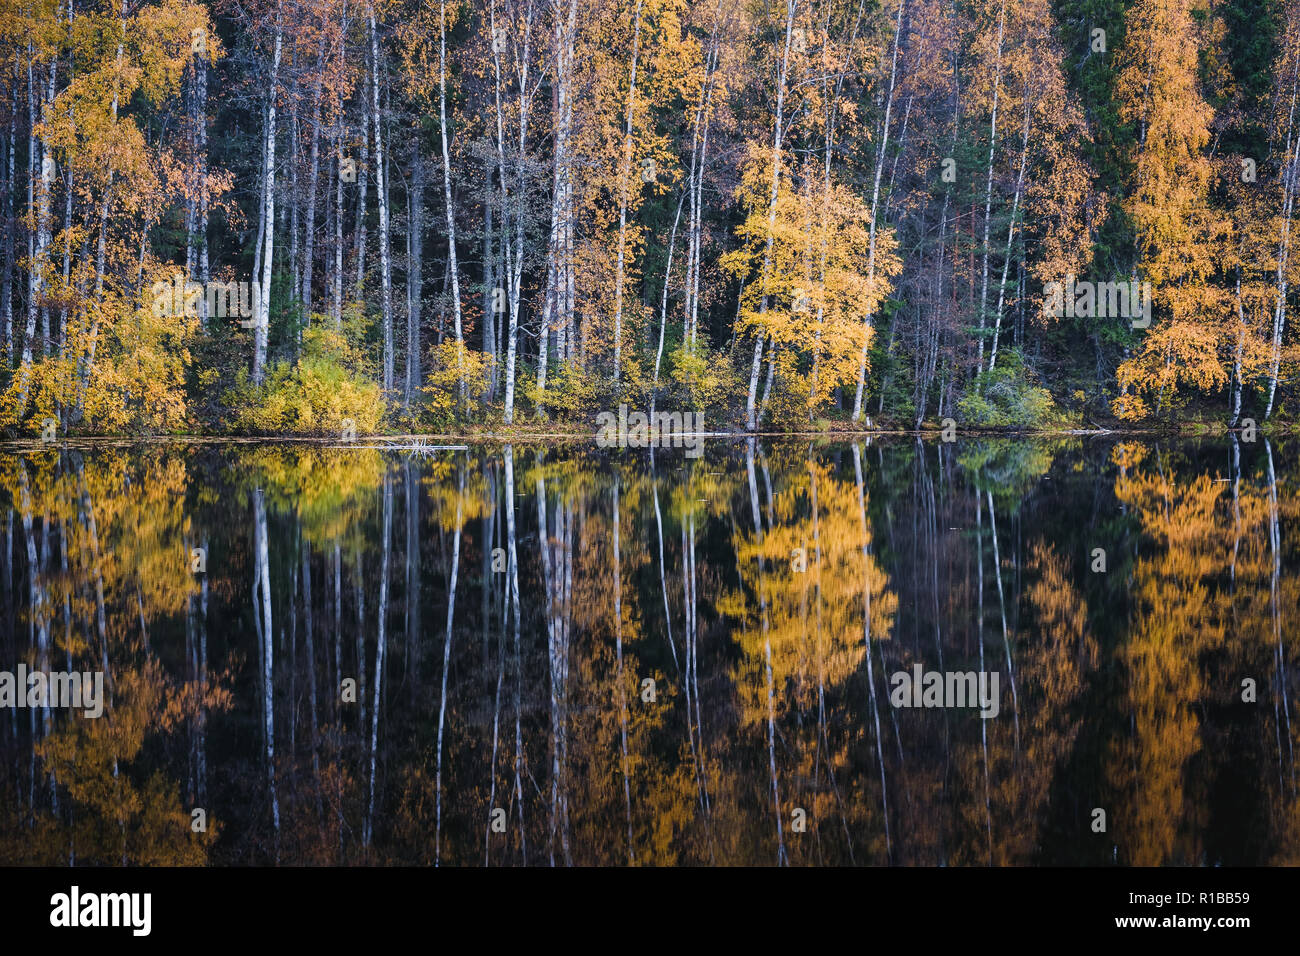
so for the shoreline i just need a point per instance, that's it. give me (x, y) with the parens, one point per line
(396, 441)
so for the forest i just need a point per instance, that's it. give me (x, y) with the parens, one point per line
(274, 217)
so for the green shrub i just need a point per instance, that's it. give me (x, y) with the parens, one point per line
(572, 393)
(327, 385)
(442, 385)
(1009, 396)
(701, 380)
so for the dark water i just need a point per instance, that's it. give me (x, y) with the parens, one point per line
(502, 612)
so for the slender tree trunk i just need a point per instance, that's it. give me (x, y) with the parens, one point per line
(337, 304)
(622, 204)
(1236, 359)
(10, 226)
(381, 644)
(363, 182)
(866, 638)
(446, 661)
(446, 191)
(381, 192)
(513, 576)
(831, 114)
(512, 219)
(294, 201)
(491, 297)
(695, 184)
(988, 189)
(415, 276)
(309, 238)
(663, 307)
(618, 654)
(268, 172)
(262, 613)
(791, 7)
(875, 208)
(39, 259)
(1011, 232)
(1291, 171)
(311, 675)
(201, 131)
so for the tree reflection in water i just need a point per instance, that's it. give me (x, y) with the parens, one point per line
(508, 655)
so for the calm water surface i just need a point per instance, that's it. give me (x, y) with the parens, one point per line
(563, 655)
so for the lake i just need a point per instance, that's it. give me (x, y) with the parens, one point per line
(1064, 650)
